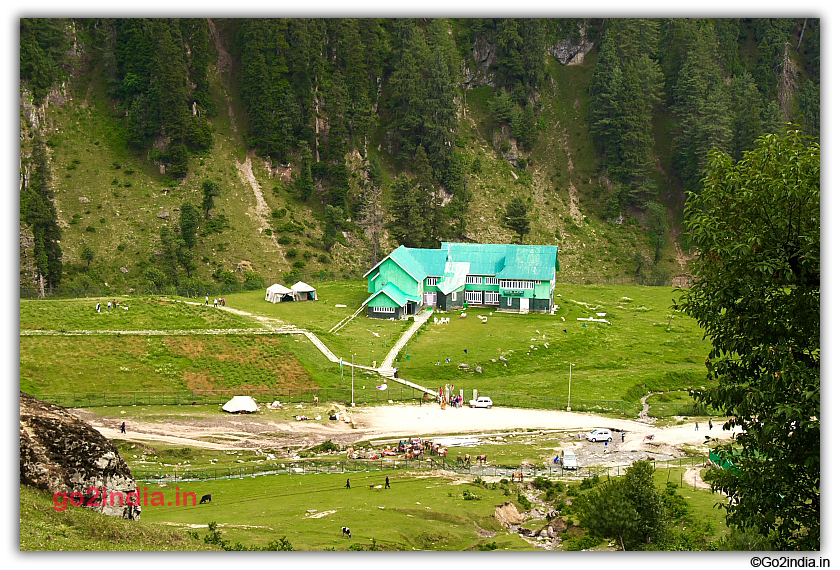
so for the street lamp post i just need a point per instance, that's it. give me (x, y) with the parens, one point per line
(569, 402)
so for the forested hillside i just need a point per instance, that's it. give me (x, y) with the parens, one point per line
(204, 154)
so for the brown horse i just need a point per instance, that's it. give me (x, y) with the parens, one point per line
(467, 460)
(482, 459)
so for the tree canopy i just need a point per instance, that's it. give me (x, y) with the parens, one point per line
(756, 225)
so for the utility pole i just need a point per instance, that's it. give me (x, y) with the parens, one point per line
(352, 380)
(569, 402)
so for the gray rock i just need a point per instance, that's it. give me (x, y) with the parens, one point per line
(163, 214)
(60, 453)
(123, 270)
(84, 200)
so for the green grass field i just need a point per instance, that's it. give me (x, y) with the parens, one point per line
(647, 347)
(44, 528)
(419, 512)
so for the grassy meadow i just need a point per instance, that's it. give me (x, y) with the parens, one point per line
(647, 347)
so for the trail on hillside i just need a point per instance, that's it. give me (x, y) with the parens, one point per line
(223, 66)
(574, 209)
(261, 211)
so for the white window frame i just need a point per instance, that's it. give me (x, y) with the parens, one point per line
(432, 281)
(384, 309)
(491, 281)
(491, 298)
(474, 280)
(474, 298)
(454, 295)
(516, 284)
(509, 300)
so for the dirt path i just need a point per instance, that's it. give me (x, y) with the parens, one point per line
(395, 421)
(224, 66)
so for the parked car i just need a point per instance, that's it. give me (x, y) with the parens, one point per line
(569, 461)
(599, 434)
(481, 402)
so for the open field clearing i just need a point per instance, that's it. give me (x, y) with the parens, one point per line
(647, 347)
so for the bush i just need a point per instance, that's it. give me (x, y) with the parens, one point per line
(253, 281)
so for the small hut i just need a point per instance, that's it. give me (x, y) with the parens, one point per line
(278, 293)
(304, 292)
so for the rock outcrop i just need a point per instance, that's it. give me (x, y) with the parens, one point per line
(568, 52)
(62, 454)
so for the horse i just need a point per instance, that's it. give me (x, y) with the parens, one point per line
(482, 459)
(467, 460)
(460, 460)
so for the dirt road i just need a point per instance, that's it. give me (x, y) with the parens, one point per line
(383, 422)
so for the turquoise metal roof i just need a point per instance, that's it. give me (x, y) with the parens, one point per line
(484, 259)
(402, 257)
(393, 292)
(454, 277)
(433, 261)
(536, 262)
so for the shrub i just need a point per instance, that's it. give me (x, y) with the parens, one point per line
(299, 264)
(253, 281)
(90, 229)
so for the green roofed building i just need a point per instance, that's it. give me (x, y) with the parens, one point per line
(512, 278)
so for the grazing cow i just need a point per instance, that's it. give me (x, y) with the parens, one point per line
(346, 532)
(205, 499)
(482, 459)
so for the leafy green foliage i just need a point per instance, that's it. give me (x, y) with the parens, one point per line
(756, 225)
(188, 221)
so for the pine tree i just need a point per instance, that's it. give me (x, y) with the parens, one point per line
(405, 225)
(189, 220)
(38, 211)
(516, 218)
(211, 190)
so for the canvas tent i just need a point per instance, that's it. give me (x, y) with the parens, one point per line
(241, 404)
(304, 292)
(277, 293)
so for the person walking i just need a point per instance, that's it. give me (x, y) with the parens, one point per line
(710, 424)
(622, 436)
(122, 428)
(696, 426)
(99, 307)
(347, 485)
(387, 482)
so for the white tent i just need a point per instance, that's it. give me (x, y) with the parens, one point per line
(239, 404)
(277, 293)
(304, 292)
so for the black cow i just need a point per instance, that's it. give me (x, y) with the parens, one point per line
(346, 532)
(206, 499)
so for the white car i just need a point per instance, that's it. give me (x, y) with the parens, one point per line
(482, 402)
(569, 461)
(599, 434)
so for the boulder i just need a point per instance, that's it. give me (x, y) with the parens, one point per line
(507, 513)
(163, 214)
(60, 453)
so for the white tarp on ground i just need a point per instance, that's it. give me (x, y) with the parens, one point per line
(276, 292)
(304, 292)
(457, 441)
(241, 404)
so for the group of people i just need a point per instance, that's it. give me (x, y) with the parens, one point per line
(220, 302)
(111, 305)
